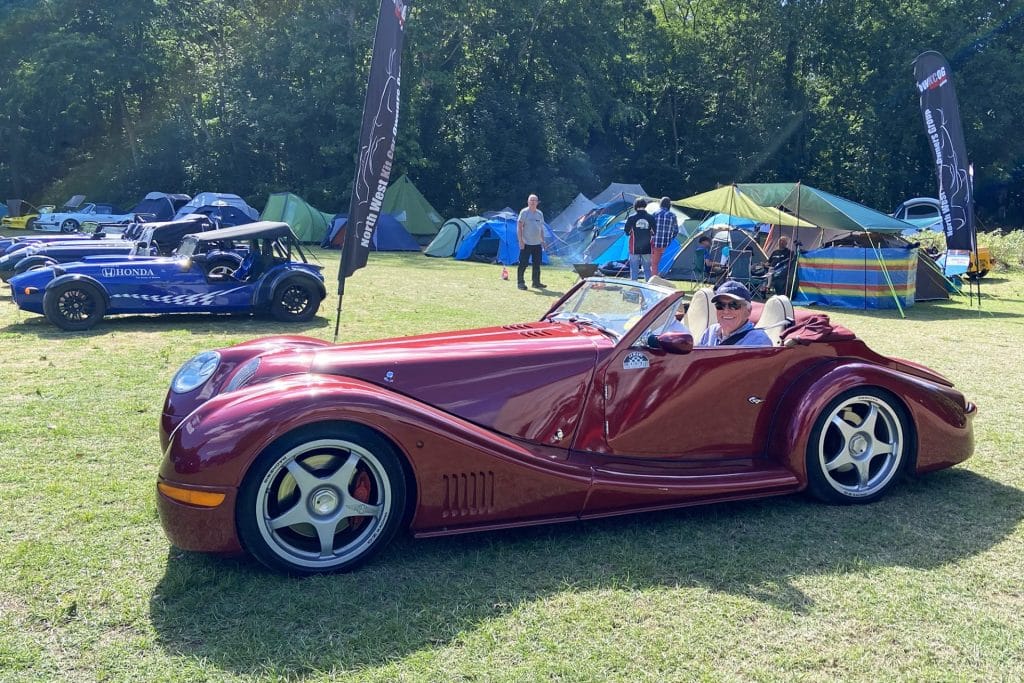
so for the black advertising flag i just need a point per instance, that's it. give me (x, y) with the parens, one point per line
(376, 137)
(946, 137)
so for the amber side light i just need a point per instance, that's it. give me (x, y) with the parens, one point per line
(206, 499)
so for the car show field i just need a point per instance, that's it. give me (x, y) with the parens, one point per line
(923, 584)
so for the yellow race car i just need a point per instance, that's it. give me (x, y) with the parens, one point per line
(22, 215)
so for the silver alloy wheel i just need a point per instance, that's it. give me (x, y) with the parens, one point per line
(861, 447)
(307, 511)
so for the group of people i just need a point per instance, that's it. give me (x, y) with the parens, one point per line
(649, 237)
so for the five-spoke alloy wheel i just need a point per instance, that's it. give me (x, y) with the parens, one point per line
(323, 498)
(859, 445)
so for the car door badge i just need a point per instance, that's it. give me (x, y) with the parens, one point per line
(635, 360)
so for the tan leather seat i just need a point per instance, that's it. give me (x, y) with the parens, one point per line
(776, 316)
(700, 315)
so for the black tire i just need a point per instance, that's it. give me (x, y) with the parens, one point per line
(74, 306)
(295, 301)
(860, 444)
(296, 506)
(69, 225)
(30, 224)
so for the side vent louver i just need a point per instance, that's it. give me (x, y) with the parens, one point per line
(468, 494)
(527, 330)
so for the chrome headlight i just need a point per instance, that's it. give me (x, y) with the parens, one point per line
(243, 374)
(195, 372)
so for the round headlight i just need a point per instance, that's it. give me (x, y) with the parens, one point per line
(196, 371)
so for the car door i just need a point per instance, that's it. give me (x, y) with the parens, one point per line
(714, 403)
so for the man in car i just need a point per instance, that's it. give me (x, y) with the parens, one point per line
(732, 308)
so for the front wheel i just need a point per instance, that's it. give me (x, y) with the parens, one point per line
(859, 445)
(322, 499)
(295, 301)
(73, 306)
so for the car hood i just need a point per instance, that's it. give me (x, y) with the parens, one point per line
(526, 380)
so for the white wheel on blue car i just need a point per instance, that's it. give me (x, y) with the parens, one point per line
(858, 447)
(322, 499)
(69, 225)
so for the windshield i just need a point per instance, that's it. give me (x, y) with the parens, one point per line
(612, 305)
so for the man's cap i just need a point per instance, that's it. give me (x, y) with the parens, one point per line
(732, 290)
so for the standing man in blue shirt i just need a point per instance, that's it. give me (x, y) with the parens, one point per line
(530, 229)
(666, 227)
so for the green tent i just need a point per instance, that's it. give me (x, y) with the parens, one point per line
(307, 222)
(403, 201)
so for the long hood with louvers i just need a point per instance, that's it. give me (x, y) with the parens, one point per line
(515, 379)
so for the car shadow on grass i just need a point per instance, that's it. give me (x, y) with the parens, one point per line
(241, 323)
(419, 594)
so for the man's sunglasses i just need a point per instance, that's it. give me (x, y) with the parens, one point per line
(734, 305)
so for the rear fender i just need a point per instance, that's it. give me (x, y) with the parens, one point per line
(80, 277)
(804, 400)
(265, 292)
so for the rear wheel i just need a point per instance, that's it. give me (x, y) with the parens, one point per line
(295, 301)
(70, 225)
(73, 306)
(859, 445)
(324, 498)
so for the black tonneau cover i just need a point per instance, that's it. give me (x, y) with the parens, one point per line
(249, 231)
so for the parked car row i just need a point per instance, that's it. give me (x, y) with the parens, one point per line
(181, 266)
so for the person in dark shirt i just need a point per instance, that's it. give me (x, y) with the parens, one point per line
(704, 263)
(780, 264)
(639, 227)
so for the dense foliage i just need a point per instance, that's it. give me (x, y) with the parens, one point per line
(504, 98)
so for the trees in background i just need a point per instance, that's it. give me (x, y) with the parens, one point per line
(503, 99)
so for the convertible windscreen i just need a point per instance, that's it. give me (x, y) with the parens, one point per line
(612, 305)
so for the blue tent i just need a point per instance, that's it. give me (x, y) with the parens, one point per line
(611, 244)
(496, 241)
(390, 235)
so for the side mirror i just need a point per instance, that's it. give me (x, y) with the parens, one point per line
(672, 342)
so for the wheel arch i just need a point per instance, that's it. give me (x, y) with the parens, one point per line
(80, 278)
(809, 395)
(265, 292)
(32, 261)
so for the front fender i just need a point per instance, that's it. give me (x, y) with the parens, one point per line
(79, 277)
(464, 475)
(940, 419)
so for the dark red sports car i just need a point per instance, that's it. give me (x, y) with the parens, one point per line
(310, 456)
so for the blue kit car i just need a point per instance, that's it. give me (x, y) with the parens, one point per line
(159, 239)
(272, 277)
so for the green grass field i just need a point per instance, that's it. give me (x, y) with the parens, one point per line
(924, 585)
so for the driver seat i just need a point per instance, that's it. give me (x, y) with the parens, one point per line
(699, 315)
(776, 316)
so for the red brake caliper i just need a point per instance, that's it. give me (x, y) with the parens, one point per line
(360, 492)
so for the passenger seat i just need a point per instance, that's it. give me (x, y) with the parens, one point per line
(700, 315)
(776, 316)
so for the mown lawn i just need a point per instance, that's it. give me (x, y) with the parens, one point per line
(924, 585)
